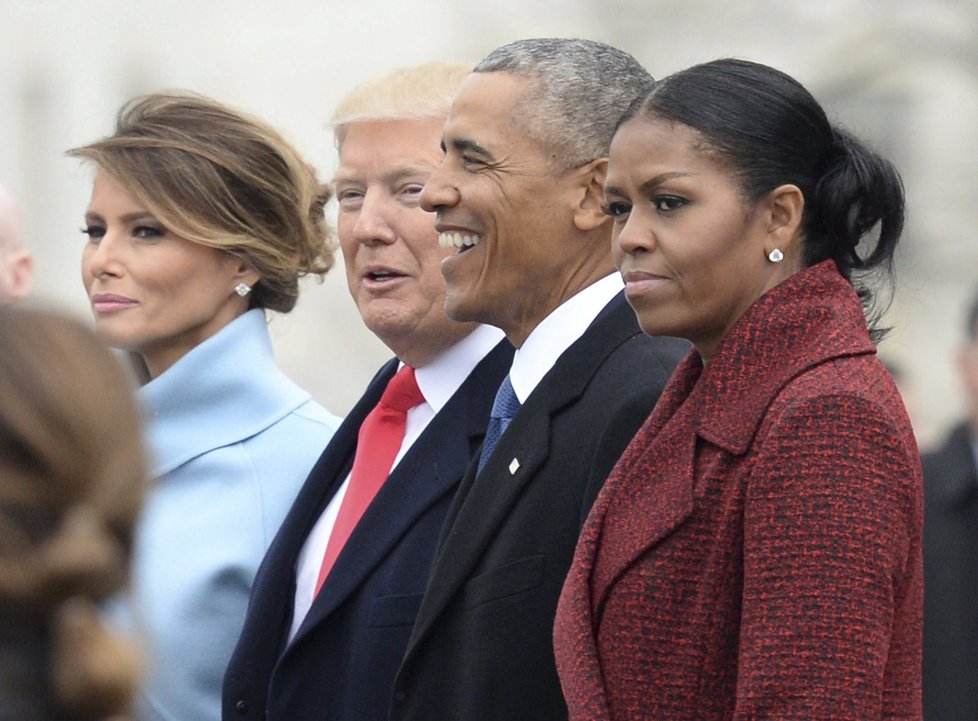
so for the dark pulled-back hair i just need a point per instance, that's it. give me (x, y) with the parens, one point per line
(770, 131)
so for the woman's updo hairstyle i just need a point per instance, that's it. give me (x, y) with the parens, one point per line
(224, 179)
(769, 130)
(72, 480)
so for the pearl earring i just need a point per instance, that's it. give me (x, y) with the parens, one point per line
(775, 256)
(242, 289)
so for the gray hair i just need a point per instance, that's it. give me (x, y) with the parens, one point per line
(582, 88)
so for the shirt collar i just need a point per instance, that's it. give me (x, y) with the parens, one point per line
(558, 331)
(439, 379)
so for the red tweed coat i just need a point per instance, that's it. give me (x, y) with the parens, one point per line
(756, 552)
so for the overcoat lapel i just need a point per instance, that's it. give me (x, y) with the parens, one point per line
(652, 489)
(408, 493)
(488, 498)
(427, 472)
(277, 571)
(638, 516)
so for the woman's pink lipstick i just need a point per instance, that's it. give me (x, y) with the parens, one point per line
(639, 282)
(109, 302)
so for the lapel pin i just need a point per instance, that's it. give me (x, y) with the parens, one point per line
(514, 465)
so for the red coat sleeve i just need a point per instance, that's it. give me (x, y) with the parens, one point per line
(832, 599)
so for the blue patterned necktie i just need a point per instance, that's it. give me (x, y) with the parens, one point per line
(503, 410)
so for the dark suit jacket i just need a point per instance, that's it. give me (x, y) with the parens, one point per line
(756, 553)
(951, 581)
(481, 647)
(341, 663)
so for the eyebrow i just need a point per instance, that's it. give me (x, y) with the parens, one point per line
(663, 177)
(465, 145)
(127, 218)
(651, 182)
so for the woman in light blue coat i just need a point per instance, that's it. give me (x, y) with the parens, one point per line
(202, 219)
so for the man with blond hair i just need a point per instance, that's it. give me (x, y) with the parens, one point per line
(16, 263)
(336, 596)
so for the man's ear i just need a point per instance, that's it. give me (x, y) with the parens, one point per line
(20, 267)
(785, 206)
(588, 213)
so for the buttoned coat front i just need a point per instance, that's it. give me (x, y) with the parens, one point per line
(756, 553)
(340, 665)
(481, 647)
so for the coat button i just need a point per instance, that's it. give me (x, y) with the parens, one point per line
(241, 707)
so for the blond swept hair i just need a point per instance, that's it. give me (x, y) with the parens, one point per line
(415, 92)
(72, 480)
(225, 179)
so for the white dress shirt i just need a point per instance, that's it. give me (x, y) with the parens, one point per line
(438, 382)
(557, 332)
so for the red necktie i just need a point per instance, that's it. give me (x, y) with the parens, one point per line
(378, 442)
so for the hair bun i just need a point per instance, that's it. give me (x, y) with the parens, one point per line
(82, 557)
(93, 672)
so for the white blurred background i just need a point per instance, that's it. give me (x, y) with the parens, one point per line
(904, 75)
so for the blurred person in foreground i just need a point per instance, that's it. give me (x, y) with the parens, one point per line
(202, 220)
(328, 620)
(756, 553)
(72, 478)
(951, 556)
(518, 198)
(16, 262)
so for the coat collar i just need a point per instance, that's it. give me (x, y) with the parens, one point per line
(812, 317)
(223, 391)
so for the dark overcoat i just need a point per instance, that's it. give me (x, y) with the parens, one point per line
(481, 647)
(340, 665)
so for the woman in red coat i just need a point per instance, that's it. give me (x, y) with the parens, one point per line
(755, 553)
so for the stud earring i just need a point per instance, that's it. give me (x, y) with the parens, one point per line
(242, 289)
(775, 256)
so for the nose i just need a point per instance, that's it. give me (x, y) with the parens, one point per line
(373, 222)
(439, 192)
(103, 258)
(632, 237)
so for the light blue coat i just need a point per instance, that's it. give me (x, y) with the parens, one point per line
(231, 441)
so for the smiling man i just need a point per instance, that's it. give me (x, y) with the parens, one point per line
(519, 198)
(334, 601)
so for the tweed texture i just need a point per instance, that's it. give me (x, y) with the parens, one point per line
(756, 552)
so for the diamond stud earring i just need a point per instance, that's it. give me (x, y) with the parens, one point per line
(775, 256)
(242, 289)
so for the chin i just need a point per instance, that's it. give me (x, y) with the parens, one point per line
(458, 310)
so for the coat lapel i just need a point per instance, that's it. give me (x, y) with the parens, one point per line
(274, 586)
(652, 489)
(485, 500)
(636, 516)
(429, 470)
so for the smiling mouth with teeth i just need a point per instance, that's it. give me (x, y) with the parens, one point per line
(462, 241)
(383, 275)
